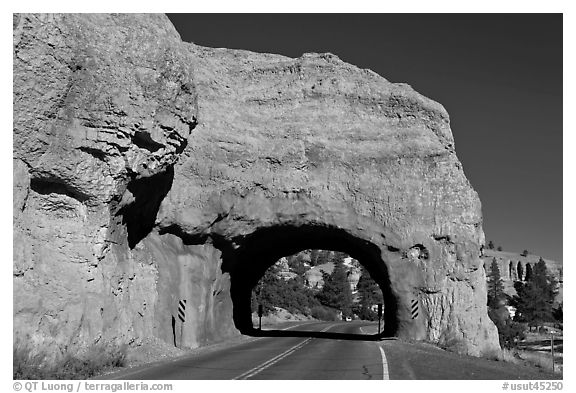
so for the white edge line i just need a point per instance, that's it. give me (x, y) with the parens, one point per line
(385, 374)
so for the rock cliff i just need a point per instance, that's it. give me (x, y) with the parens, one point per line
(151, 173)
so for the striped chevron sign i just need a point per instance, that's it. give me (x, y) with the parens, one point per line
(414, 308)
(182, 310)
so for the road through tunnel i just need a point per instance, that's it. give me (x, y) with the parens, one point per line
(262, 249)
(198, 177)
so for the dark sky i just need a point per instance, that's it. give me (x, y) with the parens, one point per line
(498, 75)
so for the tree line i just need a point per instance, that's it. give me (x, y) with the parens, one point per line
(334, 298)
(534, 302)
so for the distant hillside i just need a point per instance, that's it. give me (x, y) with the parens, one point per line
(313, 273)
(311, 264)
(510, 275)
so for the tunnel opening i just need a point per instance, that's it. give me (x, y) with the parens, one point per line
(254, 254)
(320, 284)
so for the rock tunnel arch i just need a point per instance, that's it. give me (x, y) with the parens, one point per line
(239, 171)
(261, 249)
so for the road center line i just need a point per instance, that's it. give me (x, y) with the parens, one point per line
(276, 359)
(286, 328)
(385, 374)
(142, 368)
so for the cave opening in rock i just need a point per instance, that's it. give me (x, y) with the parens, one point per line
(254, 254)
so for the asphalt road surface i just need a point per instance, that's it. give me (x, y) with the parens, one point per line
(327, 351)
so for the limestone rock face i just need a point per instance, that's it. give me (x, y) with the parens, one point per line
(148, 171)
(102, 106)
(317, 143)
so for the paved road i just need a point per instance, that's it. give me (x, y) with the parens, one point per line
(424, 361)
(327, 351)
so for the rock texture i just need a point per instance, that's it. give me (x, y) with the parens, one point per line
(148, 171)
(103, 107)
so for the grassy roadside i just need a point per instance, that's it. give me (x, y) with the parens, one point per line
(31, 364)
(103, 359)
(528, 358)
(532, 352)
(536, 350)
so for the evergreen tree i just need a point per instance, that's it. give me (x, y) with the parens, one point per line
(528, 272)
(296, 264)
(520, 270)
(499, 248)
(267, 292)
(535, 298)
(544, 280)
(558, 313)
(510, 269)
(509, 332)
(273, 291)
(495, 286)
(491, 245)
(369, 294)
(320, 257)
(524, 253)
(314, 257)
(336, 291)
(339, 256)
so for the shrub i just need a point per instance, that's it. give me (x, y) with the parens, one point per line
(323, 313)
(539, 359)
(26, 364)
(503, 355)
(29, 364)
(509, 332)
(454, 344)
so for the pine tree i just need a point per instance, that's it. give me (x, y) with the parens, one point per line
(296, 264)
(324, 256)
(314, 257)
(267, 292)
(339, 256)
(491, 245)
(520, 271)
(544, 280)
(528, 272)
(558, 313)
(370, 294)
(535, 298)
(495, 286)
(509, 332)
(273, 291)
(336, 291)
